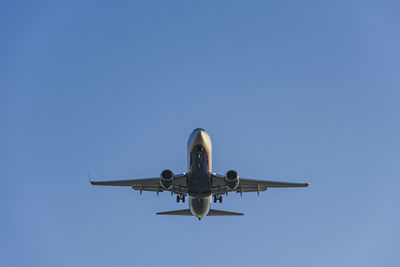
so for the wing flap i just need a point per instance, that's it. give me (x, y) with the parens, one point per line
(151, 188)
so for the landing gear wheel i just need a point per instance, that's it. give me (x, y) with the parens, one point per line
(220, 199)
(215, 199)
(180, 197)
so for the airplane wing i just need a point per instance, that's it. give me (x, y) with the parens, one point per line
(249, 185)
(148, 184)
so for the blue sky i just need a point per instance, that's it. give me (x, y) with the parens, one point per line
(285, 89)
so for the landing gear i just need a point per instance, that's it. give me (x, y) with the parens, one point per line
(217, 198)
(180, 197)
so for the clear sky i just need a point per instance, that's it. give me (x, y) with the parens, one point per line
(285, 89)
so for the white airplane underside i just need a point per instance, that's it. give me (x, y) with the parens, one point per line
(199, 182)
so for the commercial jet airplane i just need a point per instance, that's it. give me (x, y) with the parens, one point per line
(199, 182)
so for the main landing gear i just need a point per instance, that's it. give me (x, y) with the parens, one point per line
(217, 198)
(180, 197)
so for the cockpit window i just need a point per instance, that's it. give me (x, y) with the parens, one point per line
(198, 148)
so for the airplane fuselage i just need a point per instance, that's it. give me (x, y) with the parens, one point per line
(199, 180)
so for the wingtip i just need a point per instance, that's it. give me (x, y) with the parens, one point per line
(90, 179)
(307, 184)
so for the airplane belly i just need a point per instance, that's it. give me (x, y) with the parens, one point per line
(200, 207)
(199, 181)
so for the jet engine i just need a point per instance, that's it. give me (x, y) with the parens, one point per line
(167, 179)
(232, 179)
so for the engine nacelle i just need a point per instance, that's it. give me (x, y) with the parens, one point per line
(167, 179)
(232, 179)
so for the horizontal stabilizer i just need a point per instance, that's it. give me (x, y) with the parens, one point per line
(175, 212)
(211, 213)
(223, 213)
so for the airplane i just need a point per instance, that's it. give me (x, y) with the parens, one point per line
(200, 183)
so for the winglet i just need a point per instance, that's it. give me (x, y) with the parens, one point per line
(308, 184)
(90, 179)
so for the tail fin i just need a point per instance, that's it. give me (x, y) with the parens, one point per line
(211, 213)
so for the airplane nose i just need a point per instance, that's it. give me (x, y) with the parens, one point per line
(200, 135)
(198, 131)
